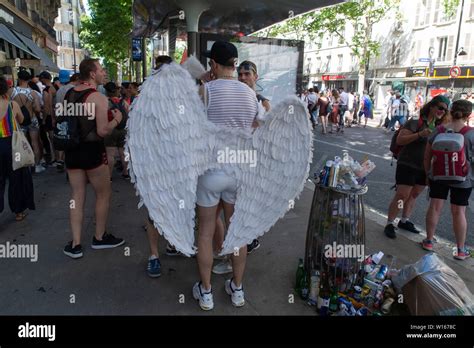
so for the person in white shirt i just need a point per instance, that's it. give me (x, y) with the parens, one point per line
(343, 107)
(313, 97)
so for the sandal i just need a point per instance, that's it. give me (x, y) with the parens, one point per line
(21, 216)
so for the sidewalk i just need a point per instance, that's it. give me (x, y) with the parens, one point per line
(107, 282)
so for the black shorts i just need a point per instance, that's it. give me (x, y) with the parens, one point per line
(88, 156)
(48, 123)
(409, 176)
(458, 196)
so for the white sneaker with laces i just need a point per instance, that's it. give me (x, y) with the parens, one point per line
(236, 295)
(39, 169)
(206, 302)
(222, 267)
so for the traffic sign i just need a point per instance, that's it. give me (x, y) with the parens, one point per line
(454, 72)
(426, 60)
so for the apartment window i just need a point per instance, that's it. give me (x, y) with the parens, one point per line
(395, 54)
(318, 64)
(418, 52)
(466, 44)
(328, 63)
(423, 12)
(427, 4)
(442, 47)
(445, 48)
(471, 11)
(339, 62)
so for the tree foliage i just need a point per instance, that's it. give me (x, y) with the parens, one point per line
(106, 32)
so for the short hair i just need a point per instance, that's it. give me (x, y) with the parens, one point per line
(248, 64)
(3, 86)
(24, 75)
(74, 77)
(160, 60)
(135, 84)
(87, 66)
(461, 109)
(311, 90)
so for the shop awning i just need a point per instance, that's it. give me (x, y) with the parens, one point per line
(45, 61)
(219, 16)
(7, 35)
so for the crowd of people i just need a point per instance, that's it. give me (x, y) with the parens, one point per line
(30, 107)
(335, 109)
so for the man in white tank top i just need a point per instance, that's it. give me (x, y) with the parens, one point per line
(230, 103)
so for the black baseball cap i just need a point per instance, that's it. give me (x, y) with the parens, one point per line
(222, 53)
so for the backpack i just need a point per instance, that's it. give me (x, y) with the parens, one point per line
(24, 109)
(403, 108)
(450, 163)
(395, 149)
(67, 133)
(120, 107)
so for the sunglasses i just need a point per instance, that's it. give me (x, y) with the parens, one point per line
(441, 108)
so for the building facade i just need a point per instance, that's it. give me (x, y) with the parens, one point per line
(27, 37)
(67, 27)
(417, 53)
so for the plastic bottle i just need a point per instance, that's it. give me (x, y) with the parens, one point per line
(314, 288)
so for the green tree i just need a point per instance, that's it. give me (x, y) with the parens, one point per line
(106, 32)
(362, 15)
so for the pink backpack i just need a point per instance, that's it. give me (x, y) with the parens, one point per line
(450, 163)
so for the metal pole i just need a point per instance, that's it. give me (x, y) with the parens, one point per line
(143, 58)
(457, 45)
(73, 43)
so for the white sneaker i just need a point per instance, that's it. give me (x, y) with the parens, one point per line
(222, 267)
(205, 299)
(39, 169)
(236, 295)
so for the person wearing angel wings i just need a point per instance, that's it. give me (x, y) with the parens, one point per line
(204, 151)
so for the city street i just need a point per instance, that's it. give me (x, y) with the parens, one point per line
(375, 143)
(114, 281)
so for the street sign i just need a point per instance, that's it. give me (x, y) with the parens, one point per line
(426, 60)
(137, 49)
(17, 62)
(454, 72)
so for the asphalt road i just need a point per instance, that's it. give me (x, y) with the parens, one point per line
(375, 143)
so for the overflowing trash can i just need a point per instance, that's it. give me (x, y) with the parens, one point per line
(335, 240)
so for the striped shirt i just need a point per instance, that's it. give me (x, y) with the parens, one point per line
(231, 103)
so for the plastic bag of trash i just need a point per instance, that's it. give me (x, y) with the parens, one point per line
(430, 287)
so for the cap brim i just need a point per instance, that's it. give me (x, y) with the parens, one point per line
(207, 54)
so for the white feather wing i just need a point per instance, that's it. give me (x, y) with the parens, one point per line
(168, 142)
(266, 192)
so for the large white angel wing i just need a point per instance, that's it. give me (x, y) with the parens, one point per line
(266, 192)
(169, 145)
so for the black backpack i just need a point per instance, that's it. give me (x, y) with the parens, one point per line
(24, 110)
(403, 108)
(67, 133)
(120, 107)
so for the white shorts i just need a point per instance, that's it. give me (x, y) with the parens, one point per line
(215, 185)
